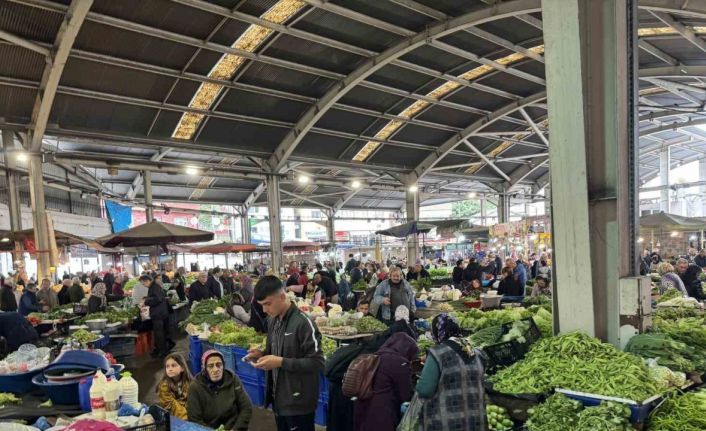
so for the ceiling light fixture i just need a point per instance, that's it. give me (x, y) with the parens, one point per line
(355, 184)
(303, 179)
(413, 188)
(192, 170)
(22, 156)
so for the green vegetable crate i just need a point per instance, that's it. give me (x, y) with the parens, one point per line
(639, 411)
(515, 404)
(507, 353)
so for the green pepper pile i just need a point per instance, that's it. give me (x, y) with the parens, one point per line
(498, 419)
(578, 362)
(369, 324)
(681, 412)
(559, 413)
(328, 346)
(8, 398)
(83, 336)
(474, 320)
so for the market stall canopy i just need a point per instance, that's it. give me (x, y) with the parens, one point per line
(407, 229)
(449, 228)
(671, 221)
(479, 233)
(155, 233)
(224, 247)
(300, 246)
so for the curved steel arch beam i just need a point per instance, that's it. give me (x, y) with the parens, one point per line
(491, 13)
(75, 15)
(695, 9)
(673, 72)
(673, 126)
(432, 159)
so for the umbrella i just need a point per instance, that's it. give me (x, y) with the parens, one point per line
(155, 233)
(407, 229)
(225, 247)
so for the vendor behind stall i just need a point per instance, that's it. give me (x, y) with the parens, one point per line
(216, 396)
(76, 293)
(97, 301)
(16, 330)
(8, 302)
(29, 302)
(63, 295)
(47, 296)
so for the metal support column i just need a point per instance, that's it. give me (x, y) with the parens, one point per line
(483, 212)
(39, 216)
(244, 226)
(591, 90)
(412, 208)
(331, 228)
(548, 201)
(273, 208)
(702, 177)
(664, 178)
(503, 208)
(147, 184)
(13, 189)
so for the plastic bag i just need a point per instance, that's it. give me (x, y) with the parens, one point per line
(410, 420)
(145, 312)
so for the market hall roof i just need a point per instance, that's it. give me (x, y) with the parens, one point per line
(447, 93)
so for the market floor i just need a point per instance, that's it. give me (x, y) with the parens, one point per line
(148, 372)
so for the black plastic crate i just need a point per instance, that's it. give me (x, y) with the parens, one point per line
(504, 354)
(161, 421)
(121, 346)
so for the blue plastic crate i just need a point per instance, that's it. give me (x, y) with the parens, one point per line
(19, 383)
(638, 412)
(195, 347)
(255, 390)
(244, 369)
(228, 356)
(323, 386)
(321, 413)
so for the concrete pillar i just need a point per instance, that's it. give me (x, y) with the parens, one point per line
(273, 208)
(13, 189)
(702, 177)
(147, 184)
(503, 208)
(591, 52)
(412, 208)
(245, 226)
(548, 201)
(483, 212)
(331, 229)
(39, 216)
(664, 178)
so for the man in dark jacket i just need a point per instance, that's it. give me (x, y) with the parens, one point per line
(356, 273)
(214, 283)
(198, 291)
(8, 302)
(457, 274)
(292, 358)
(29, 302)
(689, 274)
(700, 259)
(328, 286)
(159, 314)
(350, 264)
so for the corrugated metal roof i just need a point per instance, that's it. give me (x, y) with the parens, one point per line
(21, 63)
(28, 22)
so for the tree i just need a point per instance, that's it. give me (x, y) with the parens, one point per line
(465, 209)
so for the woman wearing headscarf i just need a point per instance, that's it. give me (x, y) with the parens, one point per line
(451, 383)
(216, 396)
(97, 301)
(392, 386)
(246, 291)
(670, 280)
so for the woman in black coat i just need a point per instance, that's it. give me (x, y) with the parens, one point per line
(457, 275)
(8, 302)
